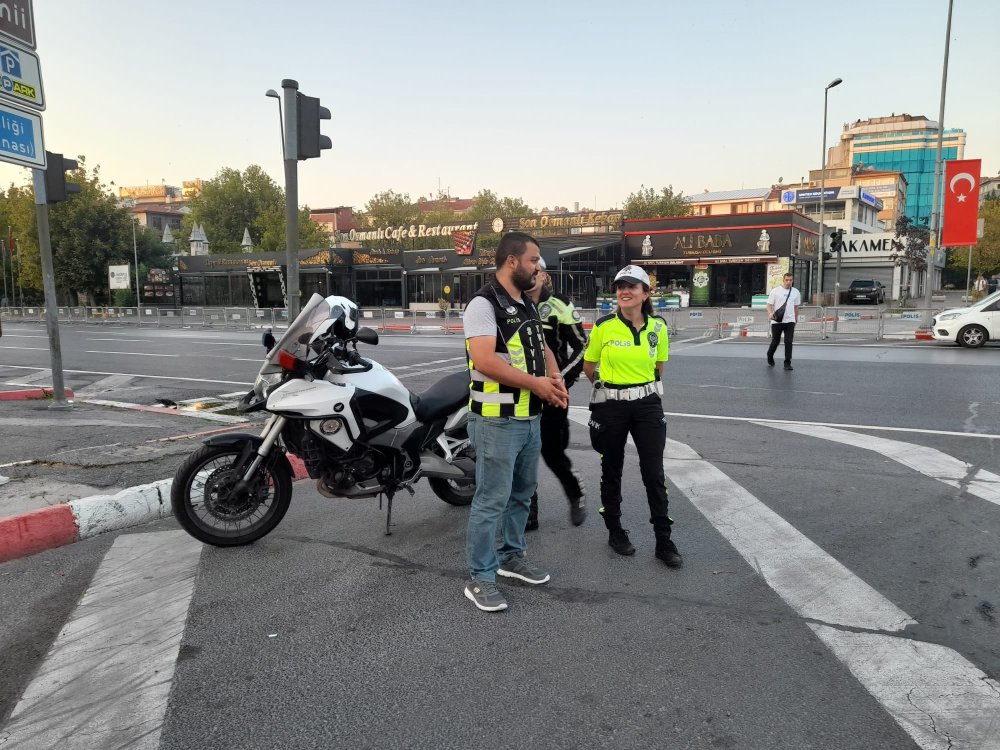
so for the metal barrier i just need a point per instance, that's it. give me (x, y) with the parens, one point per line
(851, 321)
(684, 323)
(901, 323)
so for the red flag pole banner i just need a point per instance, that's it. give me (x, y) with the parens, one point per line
(463, 242)
(961, 202)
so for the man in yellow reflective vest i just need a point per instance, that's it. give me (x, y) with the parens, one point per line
(566, 338)
(512, 374)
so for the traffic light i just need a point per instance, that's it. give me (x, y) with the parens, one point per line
(56, 187)
(309, 113)
(837, 240)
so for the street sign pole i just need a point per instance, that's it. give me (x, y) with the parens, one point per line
(49, 285)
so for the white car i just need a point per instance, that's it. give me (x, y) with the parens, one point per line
(970, 326)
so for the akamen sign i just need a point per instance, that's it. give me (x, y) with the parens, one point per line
(879, 243)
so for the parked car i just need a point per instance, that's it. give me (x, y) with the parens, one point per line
(867, 291)
(970, 326)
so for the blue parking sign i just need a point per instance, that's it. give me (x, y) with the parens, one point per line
(21, 137)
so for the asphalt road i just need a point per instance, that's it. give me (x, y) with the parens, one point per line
(875, 491)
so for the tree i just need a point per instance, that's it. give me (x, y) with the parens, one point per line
(233, 201)
(389, 209)
(986, 252)
(88, 232)
(487, 205)
(909, 249)
(646, 203)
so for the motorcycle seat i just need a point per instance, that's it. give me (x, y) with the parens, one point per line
(442, 398)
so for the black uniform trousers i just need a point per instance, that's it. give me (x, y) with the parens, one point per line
(776, 330)
(611, 423)
(554, 428)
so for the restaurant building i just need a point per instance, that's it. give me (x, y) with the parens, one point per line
(713, 261)
(725, 260)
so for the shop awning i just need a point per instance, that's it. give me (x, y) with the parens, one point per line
(741, 259)
(705, 261)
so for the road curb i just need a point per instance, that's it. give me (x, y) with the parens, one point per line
(31, 393)
(58, 525)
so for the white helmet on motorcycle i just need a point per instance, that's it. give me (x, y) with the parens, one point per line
(344, 315)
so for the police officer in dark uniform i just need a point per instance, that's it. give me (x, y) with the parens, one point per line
(566, 338)
(624, 359)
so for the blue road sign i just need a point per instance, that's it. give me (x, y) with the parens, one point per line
(20, 76)
(21, 138)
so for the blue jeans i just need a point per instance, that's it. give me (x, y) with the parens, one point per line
(507, 453)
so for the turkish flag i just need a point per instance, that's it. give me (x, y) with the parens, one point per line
(961, 202)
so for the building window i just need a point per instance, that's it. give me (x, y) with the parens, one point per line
(758, 207)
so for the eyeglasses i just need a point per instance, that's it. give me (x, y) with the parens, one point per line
(626, 285)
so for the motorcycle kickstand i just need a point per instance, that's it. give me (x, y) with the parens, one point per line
(389, 494)
(388, 513)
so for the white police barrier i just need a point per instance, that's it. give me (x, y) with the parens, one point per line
(852, 321)
(683, 323)
(898, 323)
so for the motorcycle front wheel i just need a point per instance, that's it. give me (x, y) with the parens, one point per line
(208, 507)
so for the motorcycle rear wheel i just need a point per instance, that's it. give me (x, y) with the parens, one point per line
(207, 508)
(453, 492)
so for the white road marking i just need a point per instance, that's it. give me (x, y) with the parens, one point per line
(937, 696)
(110, 383)
(928, 461)
(22, 336)
(131, 354)
(26, 349)
(755, 388)
(422, 372)
(137, 341)
(432, 362)
(106, 679)
(41, 376)
(137, 375)
(682, 346)
(758, 420)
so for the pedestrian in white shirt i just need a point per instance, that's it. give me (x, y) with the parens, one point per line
(783, 311)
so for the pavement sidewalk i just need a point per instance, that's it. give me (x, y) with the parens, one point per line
(69, 474)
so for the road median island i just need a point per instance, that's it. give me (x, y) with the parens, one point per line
(58, 525)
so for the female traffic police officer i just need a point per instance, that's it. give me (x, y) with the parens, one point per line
(626, 352)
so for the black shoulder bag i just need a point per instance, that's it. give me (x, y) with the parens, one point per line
(780, 312)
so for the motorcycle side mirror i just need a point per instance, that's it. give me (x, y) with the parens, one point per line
(268, 340)
(367, 336)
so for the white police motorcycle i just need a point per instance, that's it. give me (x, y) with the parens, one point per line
(358, 430)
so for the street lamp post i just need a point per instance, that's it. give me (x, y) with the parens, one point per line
(935, 228)
(822, 191)
(135, 255)
(3, 267)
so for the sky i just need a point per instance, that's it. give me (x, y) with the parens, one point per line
(556, 103)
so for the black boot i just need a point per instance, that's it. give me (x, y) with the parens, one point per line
(619, 542)
(577, 511)
(666, 550)
(532, 523)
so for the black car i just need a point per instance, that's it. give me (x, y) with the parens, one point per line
(866, 291)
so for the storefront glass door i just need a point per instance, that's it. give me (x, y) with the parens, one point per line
(735, 284)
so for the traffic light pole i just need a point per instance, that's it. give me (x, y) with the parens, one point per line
(836, 279)
(290, 111)
(49, 285)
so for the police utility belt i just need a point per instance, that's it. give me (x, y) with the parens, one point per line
(603, 392)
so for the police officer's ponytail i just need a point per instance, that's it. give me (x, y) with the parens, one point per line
(647, 304)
